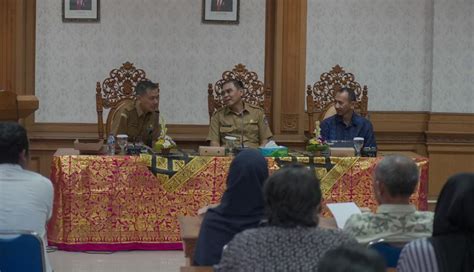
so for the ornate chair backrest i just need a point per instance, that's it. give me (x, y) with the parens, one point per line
(320, 96)
(254, 90)
(115, 91)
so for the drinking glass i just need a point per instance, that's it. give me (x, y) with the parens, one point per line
(230, 144)
(122, 140)
(358, 144)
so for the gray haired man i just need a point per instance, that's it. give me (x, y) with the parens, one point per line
(395, 220)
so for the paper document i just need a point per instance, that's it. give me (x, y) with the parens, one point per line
(342, 212)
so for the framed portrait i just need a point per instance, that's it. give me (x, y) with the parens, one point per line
(220, 11)
(81, 10)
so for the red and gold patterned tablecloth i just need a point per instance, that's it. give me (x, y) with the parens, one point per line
(117, 203)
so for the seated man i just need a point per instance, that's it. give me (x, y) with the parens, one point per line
(242, 120)
(347, 124)
(139, 119)
(396, 178)
(26, 198)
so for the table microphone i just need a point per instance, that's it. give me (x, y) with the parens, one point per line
(242, 130)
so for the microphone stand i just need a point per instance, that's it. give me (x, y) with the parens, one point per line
(153, 159)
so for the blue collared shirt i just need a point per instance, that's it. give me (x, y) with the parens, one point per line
(333, 128)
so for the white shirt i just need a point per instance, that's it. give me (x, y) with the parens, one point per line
(26, 201)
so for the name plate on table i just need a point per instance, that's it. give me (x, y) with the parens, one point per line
(215, 151)
(342, 151)
(90, 148)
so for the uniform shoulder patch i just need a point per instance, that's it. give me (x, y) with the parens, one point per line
(265, 120)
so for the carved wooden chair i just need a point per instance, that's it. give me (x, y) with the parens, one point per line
(114, 92)
(254, 90)
(320, 96)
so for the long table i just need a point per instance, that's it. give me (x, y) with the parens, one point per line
(128, 202)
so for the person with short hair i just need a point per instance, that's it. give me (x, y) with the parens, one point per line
(395, 220)
(291, 240)
(26, 198)
(238, 119)
(451, 248)
(347, 124)
(241, 207)
(352, 259)
(139, 119)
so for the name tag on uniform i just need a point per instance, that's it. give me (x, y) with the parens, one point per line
(253, 122)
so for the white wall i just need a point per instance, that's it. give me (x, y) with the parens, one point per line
(385, 43)
(453, 56)
(413, 55)
(164, 37)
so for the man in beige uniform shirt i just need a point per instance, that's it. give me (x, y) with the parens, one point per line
(242, 120)
(139, 119)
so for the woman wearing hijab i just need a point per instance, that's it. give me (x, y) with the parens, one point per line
(241, 207)
(452, 246)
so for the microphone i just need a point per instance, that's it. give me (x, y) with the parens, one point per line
(149, 137)
(242, 130)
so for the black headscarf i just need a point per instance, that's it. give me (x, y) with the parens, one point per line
(453, 226)
(241, 207)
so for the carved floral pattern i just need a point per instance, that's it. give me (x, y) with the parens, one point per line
(121, 84)
(323, 91)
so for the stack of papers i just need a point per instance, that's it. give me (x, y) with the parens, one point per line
(342, 212)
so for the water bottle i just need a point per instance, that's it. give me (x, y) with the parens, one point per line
(111, 144)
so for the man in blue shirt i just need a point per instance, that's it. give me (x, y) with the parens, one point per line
(347, 124)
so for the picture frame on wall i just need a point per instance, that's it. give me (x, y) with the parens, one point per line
(81, 10)
(220, 11)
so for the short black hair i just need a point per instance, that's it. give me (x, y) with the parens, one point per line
(13, 140)
(292, 196)
(237, 83)
(350, 93)
(399, 174)
(143, 86)
(351, 258)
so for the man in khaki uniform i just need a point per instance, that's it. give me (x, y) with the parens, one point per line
(139, 119)
(242, 120)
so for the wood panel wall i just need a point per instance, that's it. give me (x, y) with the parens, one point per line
(447, 139)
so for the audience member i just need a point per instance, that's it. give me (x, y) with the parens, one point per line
(395, 220)
(452, 246)
(241, 207)
(346, 124)
(26, 198)
(242, 120)
(352, 259)
(292, 240)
